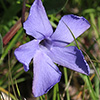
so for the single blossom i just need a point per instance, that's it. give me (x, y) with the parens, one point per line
(49, 47)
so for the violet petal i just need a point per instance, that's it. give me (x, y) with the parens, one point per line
(70, 57)
(46, 74)
(25, 53)
(62, 36)
(37, 24)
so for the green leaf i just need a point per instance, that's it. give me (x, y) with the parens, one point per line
(1, 45)
(54, 6)
(11, 44)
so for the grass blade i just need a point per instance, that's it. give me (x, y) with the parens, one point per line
(11, 44)
(66, 82)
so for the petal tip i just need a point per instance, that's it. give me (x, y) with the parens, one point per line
(36, 94)
(80, 17)
(26, 67)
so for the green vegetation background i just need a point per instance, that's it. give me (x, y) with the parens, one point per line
(16, 83)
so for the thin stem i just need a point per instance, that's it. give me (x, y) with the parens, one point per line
(66, 82)
(54, 93)
(18, 90)
(58, 96)
(9, 86)
(41, 98)
(10, 74)
(97, 82)
(84, 91)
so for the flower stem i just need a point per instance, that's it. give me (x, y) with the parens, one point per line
(54, 93)
(66, 82)
(58, 96)
(10, 75)
(97, 82)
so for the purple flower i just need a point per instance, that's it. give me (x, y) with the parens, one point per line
(49, 47)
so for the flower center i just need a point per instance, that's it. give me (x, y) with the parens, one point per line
(46, 42)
